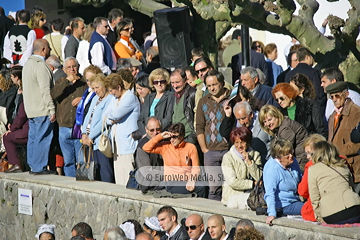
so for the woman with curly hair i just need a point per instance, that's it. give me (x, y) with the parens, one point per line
(304, 111)
(303, 86)
(37, 21)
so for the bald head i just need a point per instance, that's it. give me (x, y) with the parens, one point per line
(216, 227)
(217, 218)
(41, 47)
(144, 236)
(194, 226)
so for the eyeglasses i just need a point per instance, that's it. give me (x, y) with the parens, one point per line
(192, 227)
(43, 19)
(175, 136)
(279, 99)
(154, 129)
(337, 95)
(127, 29)
(201, 70)
(71, 67)
(107, 26)
(160, 81)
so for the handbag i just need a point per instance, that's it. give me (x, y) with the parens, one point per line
(105, 142)
(256, 197)
(86, 171)
(132, 183)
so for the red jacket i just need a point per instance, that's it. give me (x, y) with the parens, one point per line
(307, 211)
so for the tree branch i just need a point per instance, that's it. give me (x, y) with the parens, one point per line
(351, 28)
(146, 7)
(308, 8)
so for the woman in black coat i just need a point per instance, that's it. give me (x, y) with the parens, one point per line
(304, 111)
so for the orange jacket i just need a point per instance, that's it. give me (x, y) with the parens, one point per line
(122, 51)
(307, 211)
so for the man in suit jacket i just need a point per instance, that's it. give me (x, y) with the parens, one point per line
(306, 61)
(257, 60)
(341, 122)
(54, 64)
(115, 15)
(78, 29)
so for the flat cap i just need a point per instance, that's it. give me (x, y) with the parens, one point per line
(336, 87)
(135, 62)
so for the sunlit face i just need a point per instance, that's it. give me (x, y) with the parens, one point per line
(215, 229)
(191, 223)
(339, 98)
(46, 236)
(71, 67)
(273, 55)
(240, 145)
(87, 76)
(135, 71)
(271, 122)
(287, 159)
(201, 69)
(47, 50)
(98, 89)
(127, 30)
(283, 100)
(81, 28)
(166, 222)
(177, 82)
(213, 85)
(116, 92)
(294, 61)
(248, 82)
(103, 29)
(243, 118)
(160, 84)
(190, 79)
(176, 139)
(153, 128)
(325, 81)
(142, 91)
(309, 152)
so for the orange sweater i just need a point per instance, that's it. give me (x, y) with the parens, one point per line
(307, 211)
(180, 160)
(122, 51)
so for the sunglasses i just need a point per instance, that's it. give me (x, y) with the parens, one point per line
(175, 137)
(154, 129)
(127, 29)
(279, 99)
(201, 70)
(160, 81)
(337, 95)
(43, 19)
(192, 227)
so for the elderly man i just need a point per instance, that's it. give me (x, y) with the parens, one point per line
(341, 122)
(148, 162)
(332, 75)
(250, 79)
(101, 53)
(246, 117)
(181, 161)
(184, 104)
(55, 65)
(195, 228)
(68, 92)
(115, 233)
(78, 30)
(39, 107)
(167, 217)
(209, 115)
(217, 228)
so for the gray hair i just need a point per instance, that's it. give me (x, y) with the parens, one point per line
(53, 61)
(244, 105)
(123, 63)
(98, 21)
(251, 70)
(71, 58)
(262, 76)
(152, 118)
(245, 222)
(116, 234)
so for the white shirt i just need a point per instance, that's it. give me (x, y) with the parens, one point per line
(82, 55)
(330, 107)
(97, 57)
(31, 37)
(64, 41)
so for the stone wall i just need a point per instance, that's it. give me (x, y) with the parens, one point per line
(64, 202)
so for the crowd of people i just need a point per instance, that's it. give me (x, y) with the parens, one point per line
(188, 131)
(164, 226)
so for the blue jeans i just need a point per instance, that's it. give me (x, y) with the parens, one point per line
(292, 209)
(70, 149)
(39, 141)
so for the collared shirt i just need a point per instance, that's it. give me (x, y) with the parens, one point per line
(226, 237)
(201, 236)
(35, 55)
(253, 92)
(97, 58)
(173, 231)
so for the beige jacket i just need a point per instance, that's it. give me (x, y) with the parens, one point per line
(329, 192)
(237, 173)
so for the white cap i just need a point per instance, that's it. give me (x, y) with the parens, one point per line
(45, 228)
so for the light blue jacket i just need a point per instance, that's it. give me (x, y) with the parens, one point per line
(281, 185)
(126, 113)
(96, 122)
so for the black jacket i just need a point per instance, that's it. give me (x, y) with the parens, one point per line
(181, 234)
(189, 105)
(308, 114)
(163, 110)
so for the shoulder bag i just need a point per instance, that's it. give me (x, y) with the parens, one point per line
(105, 142)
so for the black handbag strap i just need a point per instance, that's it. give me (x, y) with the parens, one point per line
(338, 173)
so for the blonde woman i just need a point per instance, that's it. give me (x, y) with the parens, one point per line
(331, 187)
(273, 122)
(37, 21)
